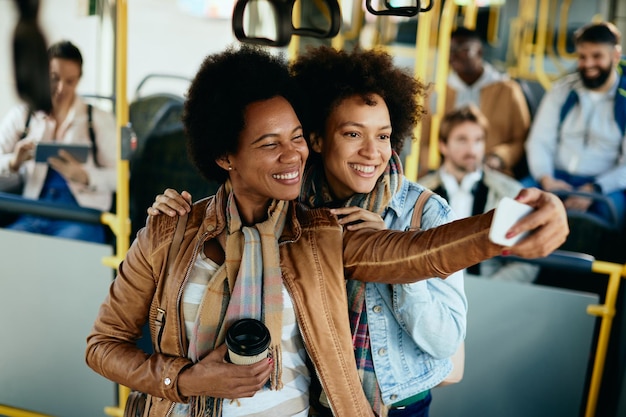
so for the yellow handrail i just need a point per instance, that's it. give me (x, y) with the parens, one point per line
(492, 25)
(446, 21)
(294, 45)
(470, 13)
(420, 69)
(120, 222)
(606, 311)
(5, 410)
(540, 44)
(562, 36)
(551, 30)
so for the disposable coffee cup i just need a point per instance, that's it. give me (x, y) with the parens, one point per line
(248, 341)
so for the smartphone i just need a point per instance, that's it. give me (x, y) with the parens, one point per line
(79, 151)
(508, 212)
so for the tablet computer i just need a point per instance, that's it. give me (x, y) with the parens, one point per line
(79, 151)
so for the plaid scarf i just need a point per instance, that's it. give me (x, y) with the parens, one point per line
(252, 270)
(316, 193)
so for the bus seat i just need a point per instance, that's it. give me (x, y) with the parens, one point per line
(153, 111)
(591, 234)
(161, 162)
(533, 93)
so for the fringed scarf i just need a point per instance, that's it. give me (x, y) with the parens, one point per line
(252, 271)
(316, 193)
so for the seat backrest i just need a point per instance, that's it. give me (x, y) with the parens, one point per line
(533, 93)
(154, 111)
(160, 161)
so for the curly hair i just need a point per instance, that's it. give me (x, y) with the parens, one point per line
(327, 77)
(214, 109)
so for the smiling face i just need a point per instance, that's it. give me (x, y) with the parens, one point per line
(270, 157)
(64, 77)
(356, 146)
(595, 64)
(464, 150)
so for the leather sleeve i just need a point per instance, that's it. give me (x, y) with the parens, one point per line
(111, 347)
(396, 257)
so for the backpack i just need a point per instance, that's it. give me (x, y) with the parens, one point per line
(92, 134)
(620, 100)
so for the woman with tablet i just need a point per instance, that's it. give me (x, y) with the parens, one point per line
(65, 157)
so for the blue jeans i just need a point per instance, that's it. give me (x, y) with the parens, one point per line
(55, 190)
(417, 409)
(599, 208)
(59, 228)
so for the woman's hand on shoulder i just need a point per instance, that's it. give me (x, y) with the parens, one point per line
(171, 202)
(548, 223)
(355, 218)
(215, 377)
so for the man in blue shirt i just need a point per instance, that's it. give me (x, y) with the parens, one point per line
(577, 141)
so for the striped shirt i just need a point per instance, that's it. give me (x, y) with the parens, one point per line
(293, 399)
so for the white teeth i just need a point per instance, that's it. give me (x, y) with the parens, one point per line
(289, 176)
(368, 169)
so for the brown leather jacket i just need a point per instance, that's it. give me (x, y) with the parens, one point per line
(315, 255)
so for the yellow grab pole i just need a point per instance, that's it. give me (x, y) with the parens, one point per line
(6, 410)
(562, 36)
(471, 12)
(443, 54)
(120, 223)
(294, 45)
(606, 311)
(540, 44)
(422, 50)
(492, 25)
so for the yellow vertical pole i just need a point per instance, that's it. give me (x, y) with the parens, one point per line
(471, 12)
(492, 25)
(540, 45)
(606, 311)
(294, 45)
(422, 51)
(527, 13)
(121, 48)
(562, 36)
(120, 223)
(443, 54)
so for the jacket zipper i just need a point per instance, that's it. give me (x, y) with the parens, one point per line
(179, 296)
(305, 339)
(180, 318)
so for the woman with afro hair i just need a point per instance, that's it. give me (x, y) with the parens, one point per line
(364, 108)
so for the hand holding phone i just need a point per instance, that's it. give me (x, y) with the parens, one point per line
(508, 212)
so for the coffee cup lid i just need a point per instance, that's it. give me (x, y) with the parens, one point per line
(248, 337)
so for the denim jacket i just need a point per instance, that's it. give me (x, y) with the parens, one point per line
(415, 328)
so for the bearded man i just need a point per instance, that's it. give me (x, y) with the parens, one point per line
(577, 141)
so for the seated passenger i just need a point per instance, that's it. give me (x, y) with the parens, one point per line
(472, 80)
(62, 179)
(472, 188)
(578, 138)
